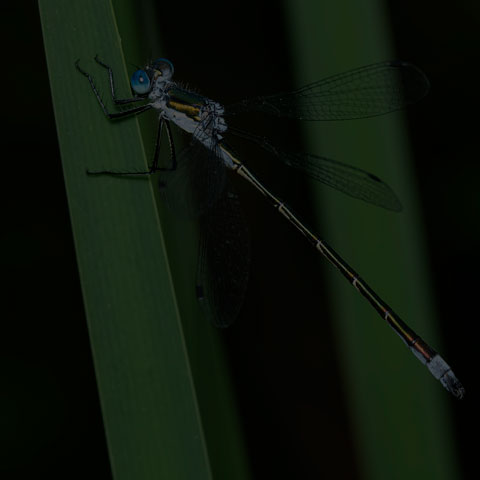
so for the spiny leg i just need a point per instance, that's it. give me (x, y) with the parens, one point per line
(111, 116)
(156, 154)
(117, 101)
(154, 168)
(171, 144)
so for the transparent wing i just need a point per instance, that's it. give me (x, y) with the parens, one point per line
(364, 92)
(197, 182)
(224, 260)
(345, 178)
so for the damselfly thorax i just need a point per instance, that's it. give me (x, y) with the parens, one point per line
(192, 113)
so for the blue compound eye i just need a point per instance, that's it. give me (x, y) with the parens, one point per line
(140, 82)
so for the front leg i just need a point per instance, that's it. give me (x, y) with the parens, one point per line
(112, 116)
(117, 101)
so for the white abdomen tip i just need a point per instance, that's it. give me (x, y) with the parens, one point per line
(440, 370)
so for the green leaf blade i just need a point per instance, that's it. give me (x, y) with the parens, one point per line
(149, 401)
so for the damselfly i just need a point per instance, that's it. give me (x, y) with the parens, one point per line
(195, 179)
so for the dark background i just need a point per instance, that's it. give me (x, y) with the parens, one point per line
(45, 349)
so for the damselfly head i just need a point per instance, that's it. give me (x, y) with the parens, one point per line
(142, 81)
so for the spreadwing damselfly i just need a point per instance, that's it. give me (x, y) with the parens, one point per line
(195, 180)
